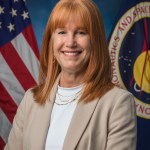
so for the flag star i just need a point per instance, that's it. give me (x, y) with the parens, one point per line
(11, 27)
(13, 12)
(2, 10)
(25, 15)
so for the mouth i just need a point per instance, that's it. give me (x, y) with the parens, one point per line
(71, 53)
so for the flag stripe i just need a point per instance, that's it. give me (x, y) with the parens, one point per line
(30, 38)
(5, 127)
(9, 81)
(17, 66)
(2, 143)
(7, 104)
(27, 55)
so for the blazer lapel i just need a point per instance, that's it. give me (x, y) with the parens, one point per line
(79, 122)
(42, 119)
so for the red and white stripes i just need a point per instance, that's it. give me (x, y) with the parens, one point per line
(19, 66)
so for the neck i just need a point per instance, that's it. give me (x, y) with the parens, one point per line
(70, 80)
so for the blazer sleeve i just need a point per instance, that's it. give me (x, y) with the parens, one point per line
(15, 139)
(122, 124)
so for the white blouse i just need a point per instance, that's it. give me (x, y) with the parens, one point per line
(63, 109)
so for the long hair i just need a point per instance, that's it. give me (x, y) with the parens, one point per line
(98, 74)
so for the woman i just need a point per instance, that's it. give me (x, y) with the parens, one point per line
(75, 105)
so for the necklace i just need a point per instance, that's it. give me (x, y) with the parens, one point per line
(60, 95)
(64, 100)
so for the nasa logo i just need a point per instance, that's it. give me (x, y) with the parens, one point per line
(130, 55)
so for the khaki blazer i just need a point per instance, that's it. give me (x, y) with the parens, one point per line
(108, 123)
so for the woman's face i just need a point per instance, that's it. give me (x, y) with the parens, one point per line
(72, 47)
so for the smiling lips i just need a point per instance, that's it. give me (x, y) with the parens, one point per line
(71, 53)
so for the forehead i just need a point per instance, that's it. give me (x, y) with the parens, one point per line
(72, 24)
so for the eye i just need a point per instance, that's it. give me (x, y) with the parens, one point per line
(81, 32)
(61, 32)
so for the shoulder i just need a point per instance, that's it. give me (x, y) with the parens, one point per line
(117, 105)
(29, 93)
(117, 98)
(28, 96)
(28, 100)
(116, 91)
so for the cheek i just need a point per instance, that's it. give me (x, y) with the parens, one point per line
(56, 45)
(87, 43)
(88, 47)
(57, 41)
(55, 49)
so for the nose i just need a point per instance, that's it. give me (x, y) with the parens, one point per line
(71, 41)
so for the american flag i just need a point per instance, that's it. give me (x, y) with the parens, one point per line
(19, 60)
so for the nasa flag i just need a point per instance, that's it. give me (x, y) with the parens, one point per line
(129, 46)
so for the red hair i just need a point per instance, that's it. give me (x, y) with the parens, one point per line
(98, 73)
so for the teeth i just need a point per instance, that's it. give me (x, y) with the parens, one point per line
(71, 53)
